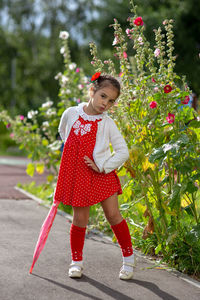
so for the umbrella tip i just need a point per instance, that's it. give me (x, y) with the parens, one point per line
(31, 269)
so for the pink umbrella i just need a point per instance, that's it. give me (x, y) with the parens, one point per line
(44, 231)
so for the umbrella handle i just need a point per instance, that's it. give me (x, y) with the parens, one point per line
(31, 269)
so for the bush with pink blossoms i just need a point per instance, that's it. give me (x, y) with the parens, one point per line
(162, 133)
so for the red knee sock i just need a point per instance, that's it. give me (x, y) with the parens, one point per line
(77, 237)
(122, 234)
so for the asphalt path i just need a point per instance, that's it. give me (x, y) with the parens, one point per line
(20, 223)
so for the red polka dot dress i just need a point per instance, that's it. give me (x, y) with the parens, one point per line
(78, 184)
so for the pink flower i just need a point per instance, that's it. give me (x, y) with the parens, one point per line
(116, 40)
(157, 52)
(8, 125)
(153, 80)
(81, 86)
(140, 40)
(153, 104)
(21, 117)
(92, 62)
(78, 100)
(77, 70)
(128, 31)
(12, 135)
(167, 89)
(120, 74)
(138, 21)
(170, 118)
(186, 100)
(125, 54)
(155, 89)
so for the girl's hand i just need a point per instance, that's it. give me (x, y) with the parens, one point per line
(91, 164)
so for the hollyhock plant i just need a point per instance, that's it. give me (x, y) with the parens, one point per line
(167, 89)
(138, 21)
(153, 104)
(164, 151)
(170, 118)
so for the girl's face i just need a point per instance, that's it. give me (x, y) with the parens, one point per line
(104, 98)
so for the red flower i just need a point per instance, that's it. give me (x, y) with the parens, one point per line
(170, 118)
(153, 79)
(138, 21)
(153, 104)
(95, 76)
(167, 89)
(186, 100)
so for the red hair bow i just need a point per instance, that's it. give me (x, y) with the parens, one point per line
(95, 76)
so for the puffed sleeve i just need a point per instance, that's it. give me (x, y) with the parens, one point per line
(120, 154)
(62, 124)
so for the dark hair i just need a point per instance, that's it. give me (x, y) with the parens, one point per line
(106, 80)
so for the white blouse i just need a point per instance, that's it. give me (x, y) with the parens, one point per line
(107, 133)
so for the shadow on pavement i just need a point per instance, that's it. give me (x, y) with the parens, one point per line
(105, 289)
(155, 289)
(109, 291)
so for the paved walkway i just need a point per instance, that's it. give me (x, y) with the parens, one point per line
(13, 171)
(20, 222)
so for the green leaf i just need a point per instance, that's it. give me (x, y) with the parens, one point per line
(124, 206)
(191, 188)
(184, 167)
(30, 169)
(183, 139)
(189, 209)
(194, 124)
(55, 145)
(165, 180)
(156, 154)
(193, 237)
(40, 168)
(175, 197)
(158, 249)
(122, 172)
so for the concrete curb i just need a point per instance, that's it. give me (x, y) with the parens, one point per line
(99, 233)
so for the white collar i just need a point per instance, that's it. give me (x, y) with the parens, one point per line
(89, 117)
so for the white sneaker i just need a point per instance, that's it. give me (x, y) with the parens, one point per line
(76, 269)
(126, 271)
(124, 274)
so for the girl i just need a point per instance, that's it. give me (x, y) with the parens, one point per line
(87, 171)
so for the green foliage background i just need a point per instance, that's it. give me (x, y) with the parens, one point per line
(29, 49)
